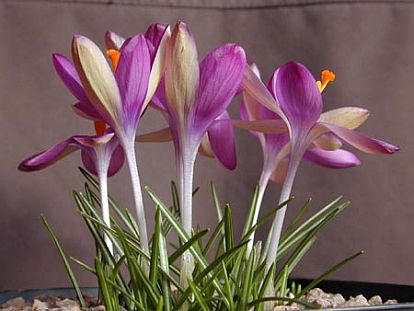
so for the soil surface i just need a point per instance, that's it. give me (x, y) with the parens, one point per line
(315, 296)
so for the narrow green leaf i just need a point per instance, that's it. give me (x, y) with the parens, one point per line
(329, 272)
(228, 228)
(173, 257)
(247, 281)
(103, 286)
(155, 248)
(183, 236)
(62, 255)
(198, 296)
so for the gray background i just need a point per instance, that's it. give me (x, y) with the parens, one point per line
(370, 46)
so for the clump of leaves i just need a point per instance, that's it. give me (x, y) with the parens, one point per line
(225, 277)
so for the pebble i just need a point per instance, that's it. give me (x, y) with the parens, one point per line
(375, 300)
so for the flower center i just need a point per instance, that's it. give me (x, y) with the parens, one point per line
(326, 77)
(114, 56)
(100, 127)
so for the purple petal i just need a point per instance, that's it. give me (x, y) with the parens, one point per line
(117, 160)
(89, 160)
(70, 78)
(220, 76)
(85, 111)
(298, 95)
(159, 100)
(362, 142)
(154, 34)
(132, 76)
(49, 156)
(222, 141)
(334, 159)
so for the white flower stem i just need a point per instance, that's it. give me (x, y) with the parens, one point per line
(263, 181)
(277, 224)
(103, 186)
(102, 170)
(186, 171)
(129, 147)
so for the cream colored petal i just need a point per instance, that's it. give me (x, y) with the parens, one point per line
(348, 117)
(328, 142)
(96, 76)
(158, 67)
(162, 135)
(113, 40)
(205, 147)
(182, 70)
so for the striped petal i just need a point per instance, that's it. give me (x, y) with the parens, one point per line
(334, 159)
(362, 142)
(158, 36)
(132, 76)
(221, 72)
(97, 79)
(257, 90)
(50, 156)
(298, 96)
(182, 71)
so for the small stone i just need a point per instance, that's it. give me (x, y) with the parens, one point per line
(18, 303)
(68, 305)
(39, 305)
(337, 300)
(375, 300)
(324, 300)
(359, 300)
(391, 302)
(98, 308)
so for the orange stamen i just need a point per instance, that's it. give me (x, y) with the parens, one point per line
(326, 77)
(100, 127)
(114, 56)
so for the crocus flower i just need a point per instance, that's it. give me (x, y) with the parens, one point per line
(119, 99)
(297, 101)
(275, 148)
(101, 155)
(195, 96)
(217, 142)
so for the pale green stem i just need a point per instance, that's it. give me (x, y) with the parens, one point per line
(277, 224)
(129, 147)
(186, 182)
(102, 170)
(263, 182)
(276, 229)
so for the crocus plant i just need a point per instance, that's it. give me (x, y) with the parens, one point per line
(297, 101)
(161, 69)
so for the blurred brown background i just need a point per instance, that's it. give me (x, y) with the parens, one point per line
(370, 46)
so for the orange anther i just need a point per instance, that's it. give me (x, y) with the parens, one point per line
(100, 127)
(326, 77)
(114, 56)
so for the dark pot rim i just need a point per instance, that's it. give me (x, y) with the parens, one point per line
(403, 293)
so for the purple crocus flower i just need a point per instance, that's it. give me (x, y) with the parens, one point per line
(101, 155)
(119, 99)
(297, 101)
(195, 96)
(276, 148)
